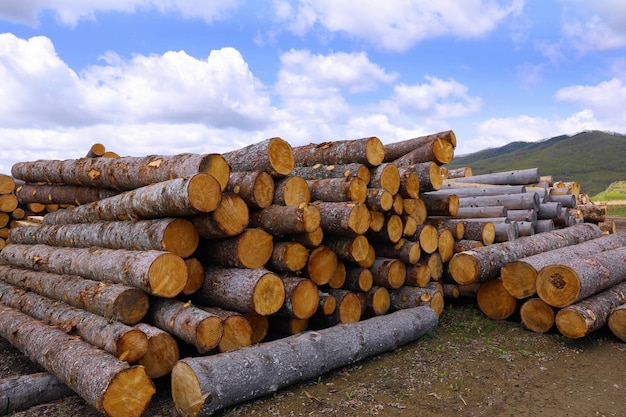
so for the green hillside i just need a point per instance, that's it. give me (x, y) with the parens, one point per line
(594, 159)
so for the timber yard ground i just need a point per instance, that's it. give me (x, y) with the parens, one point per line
(468, 366)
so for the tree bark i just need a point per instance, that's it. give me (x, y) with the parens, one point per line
(339, 218)
(441, 205)
(61, 194)
(126, 173)
(327, 304)
(282, 220)
(162, 353)
(189, 323)
(200, 193)
(509, 201)
(291, 191)
(175, 235)
(348, 248)
(288, 257)
(338, 189)
(202, 386)
(288, 326)
(483, 263)
(537, 315)
(407, 251)
(549, 210)
(494, 301)
(593, 213)
(124, 342)
(230, 218)
(395, 150)
(310, 240)
(273, 155)
(379, 200)
(112, 301)
(516, 177)
(320, 171)
(417, 275)
(243, 290)
(368, 151)
(573, 279)
(410, 297)
(102, 380)
(439, 151)
(21, 392)
(156, 272)
(520, 277)
(505, 232)
(250, 249)
(580, 319)
(256, 188)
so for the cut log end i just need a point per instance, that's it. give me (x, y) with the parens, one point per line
(280, 156)
(130, 306)
(360, 219)
(519, 279)
(463, 268)
(349, 309)
(161, 356)
(181, 238)
(537, 315)
(209, 333)
(558, 285)
(374, 151)
(195, 276)
(494, 301)
(571, 324)
(167, 275)
(205, 192)
(255, 248)
(437, 303)
(269, 295)
(238, 333)
(264, 190)
(186, 391)
(381, 301)
(321, 265)
(311, 218)
(129, 393)
(216, 165)
(617, 323)
(232, 214)
(131, 346)
(305, 299)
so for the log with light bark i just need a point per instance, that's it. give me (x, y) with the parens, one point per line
(256, 188)
(573, 279)
(291, 191)
(505, 232)
(439, 151)
(428, 174)
(537, 315)
(230, 218)
(509, 201)
(388, 272)
(375, 302)
(201, 386)
(480, 264)
(250, 249)
(391, 231)
(484, 212)
(566, 200)
(96, 150)
(348, 248)
(410, 297)
(386, 176)
(441, 205)
(400, 148)
(378, 200)
(338, 189)
(155, 272)
(617, 322)
(467, 244)
(103, 381)
(175, 235)
(189, 323)
(273, 155)
(199, 193)
(368, 151)
(523, 215)
(321, 171)
(593, 213)
(115, 337)
(162, 353)
(525, 228)
(456, 227)
(288, 257)
(461, 172)
(494, 300)
(243, 290)
(544, 226)
(407, 251)
(321, 265)
(21, 392)
(358, 279)
(549, 210)
(590, 314)
(520, 277)
(515, 177)
(338, 218)
(113, 301)
(301, 297)
(61, 194)
(126, 173)
(282, 220)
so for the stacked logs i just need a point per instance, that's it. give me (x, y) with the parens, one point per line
(217, 251)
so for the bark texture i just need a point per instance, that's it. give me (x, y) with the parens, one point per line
(368, 151)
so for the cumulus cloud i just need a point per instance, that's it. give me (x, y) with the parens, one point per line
(401, 23)
(594, 25)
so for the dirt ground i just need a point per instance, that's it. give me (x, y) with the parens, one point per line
(468, 366)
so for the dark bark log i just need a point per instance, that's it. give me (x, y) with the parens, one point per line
(483, 263)
(291, 191)
(516, 177)
(113, 301)
(21, 392)
(256, 188)
(573, 279)
(250, 249)
(348, 248)
(162, 353)
(126, 173)
(520, 277)
(368, 151)
(397, 149)
(338, 189)
(388, 272)
(439, 151)
(537, 315)
(288, 326)
(273, 155)
(281, 220)
(243, 290)
(319, 171)
(61, 194)
(200, 193)
(103, 381)
(230, 218)
(124, 342)
(494, 301)
(410, 297)
(201, 386)
(407, 251)
(441, 205)
(580, 319)
(358, 279)
(385, 176)
(309, 240)
(327, 304)
(156, 272)
(288, 257)
(379, 200)
(189, 323)
(175, 235)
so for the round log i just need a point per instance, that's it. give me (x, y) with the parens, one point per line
(162, 353)
(338, 189)
(256, 188)
(321, 171)
(537, 315)
(250, 249)
(288, 257)
(301, 298)
(291, 191)
(494, 301)
(281, 220)
(368, 151)
(273, 155)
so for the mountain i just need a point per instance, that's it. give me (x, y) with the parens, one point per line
(594, 159)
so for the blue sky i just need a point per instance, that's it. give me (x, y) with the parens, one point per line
(170, 76)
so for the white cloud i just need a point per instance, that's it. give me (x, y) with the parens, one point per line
(607, 100)
(594, 25)
(400, 24)
(70, 12)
